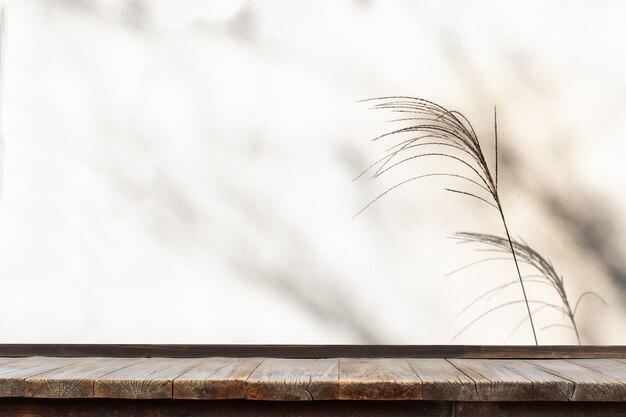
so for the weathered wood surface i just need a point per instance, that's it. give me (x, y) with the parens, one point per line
(378, 379)
(443, 381)
(545, 385)
(294, 379)
(14, 371)
(216, 378)
(147, 379)
(589, 384)
(495, 382)
(9, 387)
(486, 380)
(613, 368)
(74, 381)
(315, 351)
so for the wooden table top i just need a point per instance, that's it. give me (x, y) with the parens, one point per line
(287, 379)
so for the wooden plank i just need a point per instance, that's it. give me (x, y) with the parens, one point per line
(546, 386)
(610, 367)
(442, 381)
(378, 379)
(147, 379)
(216, 378)
(590, 385)
(294, 379)
(314, 351)
(495, 382)
(73, 381)
(13, 372)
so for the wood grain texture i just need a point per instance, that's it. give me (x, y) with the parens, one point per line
(495, 382)
(545, 385)
(147, 379)
(442, 381)
(216, 378)
(378, 379)
(4, 361)
(13, 372)
(610, 367)
(314, 351)
(316, 379)
(73, 381)
(294, 379)
(589, 385)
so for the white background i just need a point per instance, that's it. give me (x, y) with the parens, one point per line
(181, 172)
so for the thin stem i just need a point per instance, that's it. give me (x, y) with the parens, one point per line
(519, 274)
(495, 126)
(522, 321)
(434, 174)
(476, 263)
(472, 195)
(452, 129)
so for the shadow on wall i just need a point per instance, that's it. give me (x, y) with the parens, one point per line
(295, 267)
(574, 211)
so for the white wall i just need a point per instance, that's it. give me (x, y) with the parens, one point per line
(180, 172)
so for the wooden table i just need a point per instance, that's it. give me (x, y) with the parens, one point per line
(114, 380)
